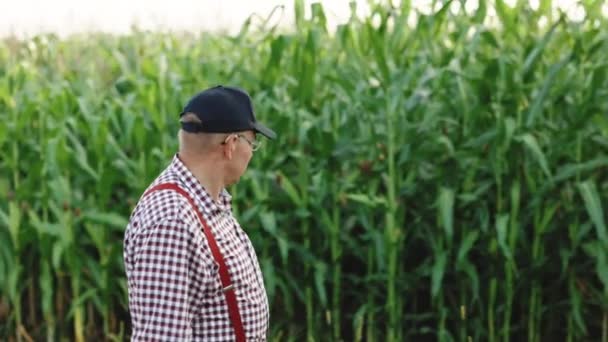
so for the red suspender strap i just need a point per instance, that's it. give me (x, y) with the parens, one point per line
(228, 287)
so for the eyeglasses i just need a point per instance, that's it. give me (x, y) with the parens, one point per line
(255, 144)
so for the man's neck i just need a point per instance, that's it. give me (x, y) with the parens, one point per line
(206, 173)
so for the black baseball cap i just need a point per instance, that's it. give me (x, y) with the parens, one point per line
(223, 109)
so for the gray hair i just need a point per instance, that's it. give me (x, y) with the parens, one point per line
(197, 142)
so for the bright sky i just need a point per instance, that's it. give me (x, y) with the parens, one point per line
(27, 17)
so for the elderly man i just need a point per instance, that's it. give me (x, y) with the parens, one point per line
(192, 272)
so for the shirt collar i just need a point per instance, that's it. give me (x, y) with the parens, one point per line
(187, 178)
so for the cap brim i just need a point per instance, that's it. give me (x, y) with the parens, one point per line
(267, 132)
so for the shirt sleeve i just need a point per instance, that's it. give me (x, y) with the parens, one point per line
(166, 281)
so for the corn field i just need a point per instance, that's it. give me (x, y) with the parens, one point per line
(442, 178)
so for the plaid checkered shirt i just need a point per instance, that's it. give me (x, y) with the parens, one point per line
(175, 292)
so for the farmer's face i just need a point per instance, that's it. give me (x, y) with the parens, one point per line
(240, 155)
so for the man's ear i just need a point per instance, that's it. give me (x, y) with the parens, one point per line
(229, 146)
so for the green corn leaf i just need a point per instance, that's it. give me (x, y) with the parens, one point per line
(367, 200)
(437, 272)
(577, 307)
(358, 322)
(283, 249)
(106, 219)
(446, 209)
(593, 204)
(501, 230)
(299, 12)
(7, 261)
(80, 156)
(570, 170)
(269, 222)
(320, 278)
(3, 133)
(506, 16)
(530, 142)
(466, 245)
(473, 276)
(270, 277)
(46, 287)
(13, 284)
(78, 303)
(534, 55)
(291, 191)
(480, 13)
(600, 253)
(545, 7)
(13, 222)
(539, 100)
(58, 250)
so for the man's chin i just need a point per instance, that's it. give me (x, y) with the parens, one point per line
(232, 182)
